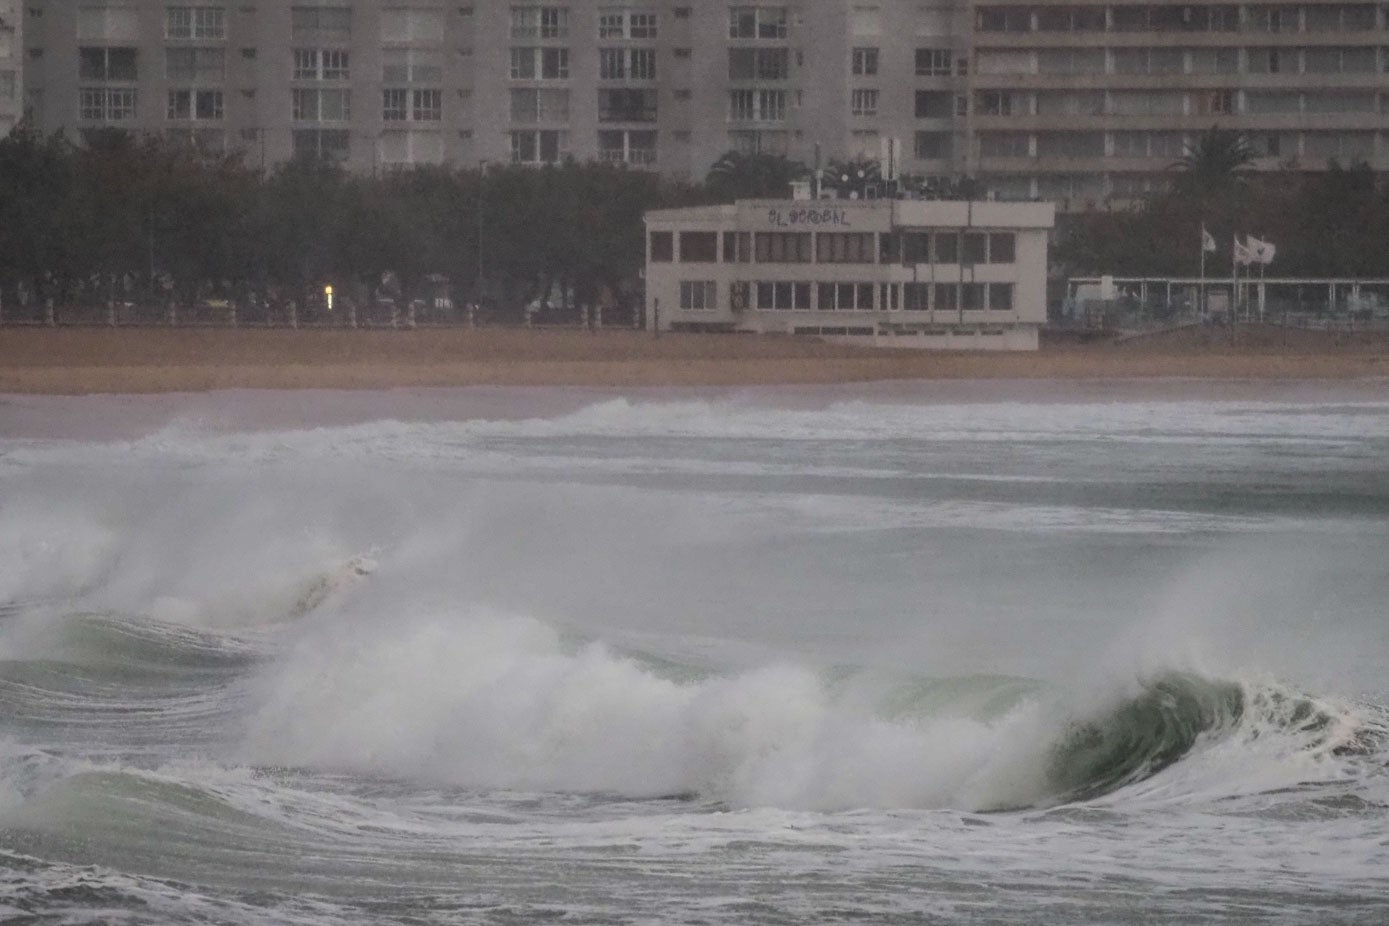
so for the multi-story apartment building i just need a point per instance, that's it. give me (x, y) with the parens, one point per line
(11, 75)
(1068, 101)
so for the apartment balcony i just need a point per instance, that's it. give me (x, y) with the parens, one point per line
(1037, 40)
(634, 157)
(1184, 122)
(1238, 81)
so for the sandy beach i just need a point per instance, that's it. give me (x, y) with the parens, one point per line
(75, 361)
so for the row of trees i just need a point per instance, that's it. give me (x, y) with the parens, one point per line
(125, 218)
(138, 219)
(1324, 223)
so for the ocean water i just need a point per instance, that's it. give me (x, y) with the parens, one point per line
(900, 653)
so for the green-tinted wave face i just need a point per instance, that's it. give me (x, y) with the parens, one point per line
(1142, 736)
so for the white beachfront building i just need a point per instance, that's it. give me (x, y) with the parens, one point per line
(909, 273)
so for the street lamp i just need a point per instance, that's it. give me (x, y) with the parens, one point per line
(481, 180)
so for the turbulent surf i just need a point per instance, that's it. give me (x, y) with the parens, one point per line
(781, 656)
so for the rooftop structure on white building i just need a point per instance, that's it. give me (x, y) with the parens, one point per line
(1071, 102)
(892, 272)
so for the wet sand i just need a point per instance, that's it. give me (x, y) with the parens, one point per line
(76, 361)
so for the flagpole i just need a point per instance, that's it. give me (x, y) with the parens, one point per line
(1201, 287)
(1234, 287)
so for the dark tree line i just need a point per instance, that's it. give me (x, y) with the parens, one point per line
(139, 219)
(1332, 223)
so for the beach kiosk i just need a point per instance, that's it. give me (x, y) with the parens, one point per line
(909, 273)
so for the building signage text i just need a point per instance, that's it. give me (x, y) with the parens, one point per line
(810, 215)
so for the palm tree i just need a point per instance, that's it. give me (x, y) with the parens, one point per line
(1214, 162)
(753, 176)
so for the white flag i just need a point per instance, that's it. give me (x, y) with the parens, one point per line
(1207, 240)
(1243, 255)
(1260, 252)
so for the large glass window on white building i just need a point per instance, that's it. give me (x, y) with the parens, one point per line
(532, 105)
(322, 64)
(191, 104)
(759, 64)
(331, 145)
(411, 147)
(539, 64)
(757, 22)
(106, 104)
(539, 146)
(627, 64)
(757, 105)
(208, 23)
(107, 64)
(107, 23)
(539, 22)
(321, 105)
(413, 25)
(627, 146)
(411, 66)
(325, 23)
(194, 65)
(616, 23)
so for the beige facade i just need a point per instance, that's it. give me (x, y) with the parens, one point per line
(908, 273)
(11, 72)
(1070, 102)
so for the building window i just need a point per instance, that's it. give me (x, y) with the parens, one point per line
(1001, 297)
(195, 22)
(426, 105)
(850, 296)
(934, 104)
(395, 105)
(737, 247)
(195, 104)
(539, 146)
(759, 64)
(1002, 248)
(782, 247)
(757, 22)
(536, 105)
(627, 24)
(757, 105)
(699, 247)
(416, 25)
(626, 105)
(662, 247)
(194, 64)
(945, 297)
(106, 104)
(539, 64)
(627, 64)
(864, 102)
(321, 64)
(106, 64)
(1003, 19)
(971, 296)
(864, 62)
(411, 66)
(933, 62)
(698, 295)
(539, 22)
(845, 248)
(401, 105)
(322, 144)
(783, 295)
(322, 105)
(321, 22)
(622, 146)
